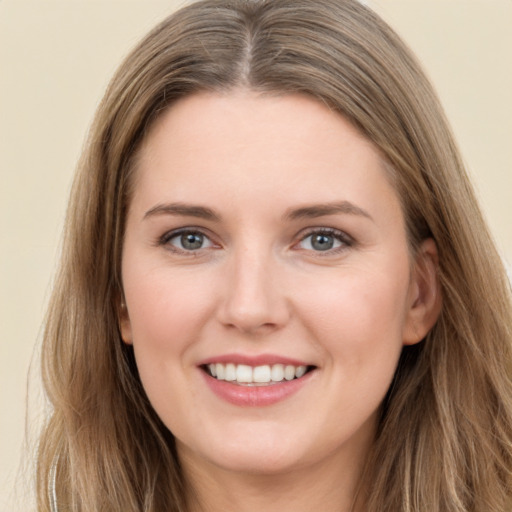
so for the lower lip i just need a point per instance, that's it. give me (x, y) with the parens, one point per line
(255, 396)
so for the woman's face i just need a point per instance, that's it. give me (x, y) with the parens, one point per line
(268, 282)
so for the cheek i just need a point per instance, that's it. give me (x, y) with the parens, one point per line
(358, 315)
(166, 312)
(166, 315)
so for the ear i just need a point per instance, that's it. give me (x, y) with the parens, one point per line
(125, 326)
(425, 300)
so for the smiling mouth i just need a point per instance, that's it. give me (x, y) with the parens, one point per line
(264, 375)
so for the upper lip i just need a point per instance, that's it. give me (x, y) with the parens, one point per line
(254, 360)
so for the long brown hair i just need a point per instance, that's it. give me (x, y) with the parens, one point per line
(444, 441)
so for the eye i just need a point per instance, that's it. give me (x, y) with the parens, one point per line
(324, 240)
(187, 240)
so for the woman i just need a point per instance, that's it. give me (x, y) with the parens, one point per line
(277, 290)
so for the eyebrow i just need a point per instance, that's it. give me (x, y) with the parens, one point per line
(305, 212)
(320, 210)
(182, 209)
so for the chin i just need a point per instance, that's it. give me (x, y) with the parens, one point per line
(251, 454)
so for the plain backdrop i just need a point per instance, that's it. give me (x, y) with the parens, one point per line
(56, 58)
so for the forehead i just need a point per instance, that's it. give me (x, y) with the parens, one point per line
(284, 116)
(275, 149)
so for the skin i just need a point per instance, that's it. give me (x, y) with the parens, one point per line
(257, 285)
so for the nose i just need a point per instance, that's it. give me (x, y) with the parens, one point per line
(254, 299)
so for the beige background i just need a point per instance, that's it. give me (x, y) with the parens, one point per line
(56, 58)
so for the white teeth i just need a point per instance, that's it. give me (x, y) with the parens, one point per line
(289, 372)
(230, 373)
(243, 373)
(264, 374)
(261, 374)
(220, 369)
(300, 371)
(277, 373)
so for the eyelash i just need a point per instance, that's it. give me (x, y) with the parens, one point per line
(165, 240)
(345, 240)
(342, 237)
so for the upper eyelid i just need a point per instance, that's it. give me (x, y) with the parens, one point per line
(326, 230)
(303, 234)
(164, 239)
(346, 242)
(188, 229)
